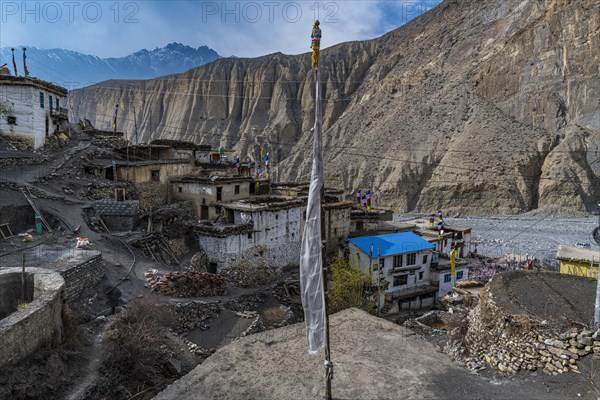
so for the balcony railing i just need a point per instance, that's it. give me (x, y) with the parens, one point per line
(61, 113)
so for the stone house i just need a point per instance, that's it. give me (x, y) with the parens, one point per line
(261, 231)
(207, 191)
(267, 230)
(578, 261)
(38, 108)
(403, 261)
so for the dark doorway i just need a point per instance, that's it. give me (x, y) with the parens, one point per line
(203, 212)
(219, 193)
(212, 268)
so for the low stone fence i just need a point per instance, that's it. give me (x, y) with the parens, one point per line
(36, 323)
(81, 271)
(511, 343)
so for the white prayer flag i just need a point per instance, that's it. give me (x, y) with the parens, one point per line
(311, 264)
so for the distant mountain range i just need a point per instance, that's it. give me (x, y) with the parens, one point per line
(72, 69)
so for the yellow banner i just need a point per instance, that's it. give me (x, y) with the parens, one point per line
(453, 254)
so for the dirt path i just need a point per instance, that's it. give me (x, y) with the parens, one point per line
(96, 354)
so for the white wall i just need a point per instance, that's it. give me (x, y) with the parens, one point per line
(275, 240)
(437, 277)
(358, 259)
(21, 98)
(204, 194)
(31, 118)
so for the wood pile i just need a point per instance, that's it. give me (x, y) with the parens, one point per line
(155, 246)
(188, 284)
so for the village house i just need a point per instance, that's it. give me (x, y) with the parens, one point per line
(300, 189)
(403, 261)
(206, 191)
(441, 275)
(443, 243)
(261, 231)
(267, 230)
(578, 261)
(38, 108)
(362, 221)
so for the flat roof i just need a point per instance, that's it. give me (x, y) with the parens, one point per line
(263, 203)
(29, 81)
(577, 254)
(211, 180)
(391, 244)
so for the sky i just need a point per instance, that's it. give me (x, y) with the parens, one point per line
(239, 28)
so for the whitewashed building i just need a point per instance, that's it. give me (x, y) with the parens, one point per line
(442, 277)
(403, 261)
(259, 231)
(39, 108)
(207, 191)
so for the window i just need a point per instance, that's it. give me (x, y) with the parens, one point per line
(447, 278)
(425, 259)
(249, 235)
(411, 259)
(421, 275)
(398, 261)
(155, 174)
(57, 104)
(180, 189)
(11, 120)
(50, 103)
(400, 280)
(459, 275)
(41, 99)
(237, 189)
(219, 193)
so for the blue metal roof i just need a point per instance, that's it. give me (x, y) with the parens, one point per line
(392, 244)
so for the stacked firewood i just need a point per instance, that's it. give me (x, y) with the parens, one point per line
(188, 284)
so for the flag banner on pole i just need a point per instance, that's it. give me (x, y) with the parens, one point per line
(115, 118)
(311, 262)
(14, 62)
(358, 196)
(364, 200)
(238, 164)
(453, 254)
(25, 64)
(368, 194)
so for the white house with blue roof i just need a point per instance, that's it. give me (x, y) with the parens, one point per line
(404, 261)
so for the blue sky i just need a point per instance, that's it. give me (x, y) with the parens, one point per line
(242, 28)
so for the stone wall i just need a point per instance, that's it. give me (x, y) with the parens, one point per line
(37, 324)
(236, 250)
(81, 272)
(151, 194)
(510, 343)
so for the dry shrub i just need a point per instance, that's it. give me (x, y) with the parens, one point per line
(136, 358)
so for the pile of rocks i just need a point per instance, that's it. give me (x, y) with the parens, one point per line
(511, 343)
(199, 261)
(248, 276)
(193, 314)
(245, 302)
(188, 284)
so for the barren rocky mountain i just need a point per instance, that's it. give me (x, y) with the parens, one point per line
(481, 106)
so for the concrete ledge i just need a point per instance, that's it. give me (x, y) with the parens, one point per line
(40, 322)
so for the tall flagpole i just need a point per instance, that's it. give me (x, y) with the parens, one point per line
(318, 131)
(313, 269)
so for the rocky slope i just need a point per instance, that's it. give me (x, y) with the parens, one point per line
(476, 107)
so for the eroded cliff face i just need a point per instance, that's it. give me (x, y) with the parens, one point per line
(485, 107)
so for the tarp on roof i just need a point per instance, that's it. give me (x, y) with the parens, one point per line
(392, 244)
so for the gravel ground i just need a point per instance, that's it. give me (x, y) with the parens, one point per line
(537, 236)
